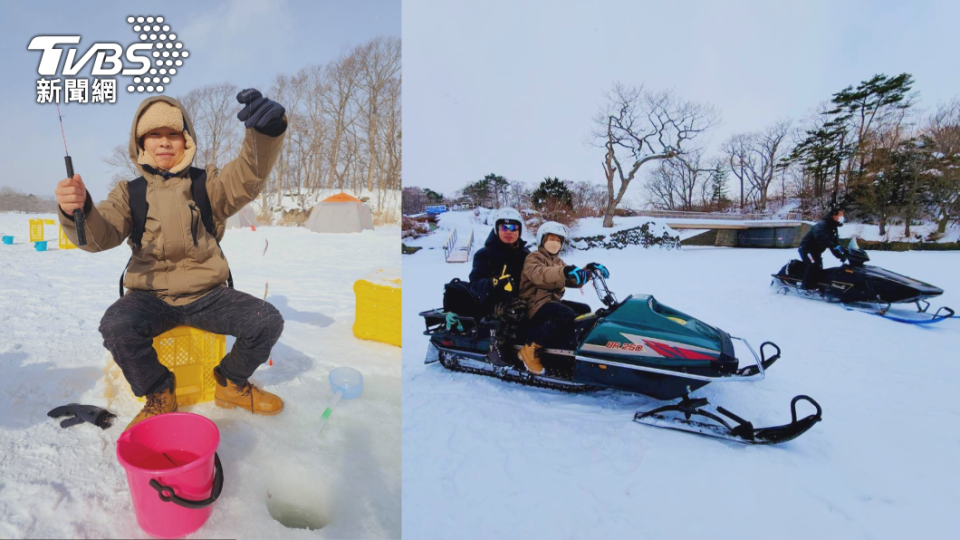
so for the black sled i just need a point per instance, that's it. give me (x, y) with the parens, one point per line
(862, 287)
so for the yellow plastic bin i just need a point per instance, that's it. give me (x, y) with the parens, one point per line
(378, 307)
(191, 355)
(36, 228)
(65, 242)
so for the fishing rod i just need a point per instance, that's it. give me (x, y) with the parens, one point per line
(78, 213)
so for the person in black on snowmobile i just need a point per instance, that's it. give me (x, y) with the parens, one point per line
(495, 277)
(497, 266)
(822, 237)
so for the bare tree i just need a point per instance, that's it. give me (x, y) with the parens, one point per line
(122, 166)
(379, 65)
(676, 182)
(213, 109)
(754, 157)
(637, 126)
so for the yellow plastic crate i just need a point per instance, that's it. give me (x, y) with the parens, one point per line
(191, 355)
(65, 242)
(378, 307)
(36, 228)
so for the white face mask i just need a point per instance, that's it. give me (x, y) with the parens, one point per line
(840, 219)
(552, 246)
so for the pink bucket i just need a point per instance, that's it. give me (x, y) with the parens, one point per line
(173, 471)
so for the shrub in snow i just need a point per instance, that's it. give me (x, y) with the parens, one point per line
(635, 236)
(413, 229)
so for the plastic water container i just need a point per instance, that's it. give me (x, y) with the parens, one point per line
(347, 381)
(8, 240)
(41, 245)
(173, 472)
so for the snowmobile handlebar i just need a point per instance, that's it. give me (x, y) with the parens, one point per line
(600, 286)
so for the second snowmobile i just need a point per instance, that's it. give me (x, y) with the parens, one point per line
(862, 287)
(638, 345)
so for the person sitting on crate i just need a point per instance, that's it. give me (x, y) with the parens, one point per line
(544, 279)
(495, 277)
(173, 219)
(822, 236)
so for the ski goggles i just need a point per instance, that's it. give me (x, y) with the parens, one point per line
(509, 226)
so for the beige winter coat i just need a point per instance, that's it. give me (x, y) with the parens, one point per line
(542, 280)
(168, 264)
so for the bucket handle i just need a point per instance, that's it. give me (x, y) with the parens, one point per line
(186, 503)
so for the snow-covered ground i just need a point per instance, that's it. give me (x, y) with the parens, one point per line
(895, 233)
(489, 459)
(67, 483)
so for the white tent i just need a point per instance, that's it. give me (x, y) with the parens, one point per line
(340, 213)
(246, 217)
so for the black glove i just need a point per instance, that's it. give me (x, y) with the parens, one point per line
(83, 413)
(262, 114)
(575, 274)
(599, 268)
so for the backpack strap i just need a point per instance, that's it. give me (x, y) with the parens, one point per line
(202, 199)
(137, 191)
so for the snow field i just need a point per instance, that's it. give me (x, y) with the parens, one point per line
(484, 458)
(68, 483)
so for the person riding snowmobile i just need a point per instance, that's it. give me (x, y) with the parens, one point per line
(177, 274)
(495, 277)
(822, 236)
(542, 284)
(497, 266)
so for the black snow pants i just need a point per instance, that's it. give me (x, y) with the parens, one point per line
(813, 269)
(552, 325)
(130, 324)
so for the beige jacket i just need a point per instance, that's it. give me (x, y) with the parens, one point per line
(168, 264)
(542, 280)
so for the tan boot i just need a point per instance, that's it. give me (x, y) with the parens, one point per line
(530, 354)
(247, 396)
(159, 403)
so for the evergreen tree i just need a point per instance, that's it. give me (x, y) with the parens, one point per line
(498, 187)
(552, 189)
(718, 187)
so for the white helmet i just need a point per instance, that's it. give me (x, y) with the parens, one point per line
(552, 227)
(507, 214)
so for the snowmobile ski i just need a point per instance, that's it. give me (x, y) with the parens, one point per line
(727, 425)
(921, 316)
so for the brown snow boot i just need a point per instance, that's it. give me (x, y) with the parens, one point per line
(246, 396)
(530, 354)
(159, 403)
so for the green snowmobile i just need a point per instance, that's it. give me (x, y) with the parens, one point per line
(638, 345)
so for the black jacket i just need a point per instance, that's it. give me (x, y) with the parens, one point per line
(491, 260)
(822, 237)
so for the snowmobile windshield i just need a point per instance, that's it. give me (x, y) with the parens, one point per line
(683, 319)
(853, 243)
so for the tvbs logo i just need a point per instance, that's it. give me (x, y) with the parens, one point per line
(108, 57)
(151, 62)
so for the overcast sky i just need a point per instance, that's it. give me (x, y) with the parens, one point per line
(244, 42)
(512, 87)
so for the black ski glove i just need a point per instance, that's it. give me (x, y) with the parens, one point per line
(83, 413)
(262, 114)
